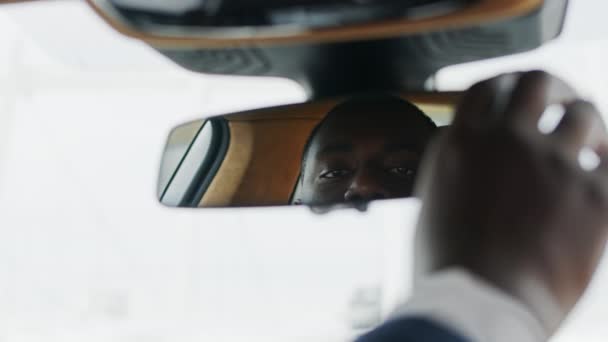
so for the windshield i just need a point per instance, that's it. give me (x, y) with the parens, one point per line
(89, 255)
(578, 56)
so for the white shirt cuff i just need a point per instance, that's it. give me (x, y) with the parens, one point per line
(469, 306)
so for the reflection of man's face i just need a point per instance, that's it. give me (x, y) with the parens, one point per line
(361, 156)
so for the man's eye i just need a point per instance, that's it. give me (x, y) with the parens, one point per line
(333, 174)
(402, 171)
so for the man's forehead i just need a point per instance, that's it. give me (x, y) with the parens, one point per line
(345, 128)
(385, 147)
(368, 114)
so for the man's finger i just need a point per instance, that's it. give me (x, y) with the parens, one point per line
(598, 187)
(427, 168)
(602, 153)
(482, 104)
(535, 90)
(580, 126)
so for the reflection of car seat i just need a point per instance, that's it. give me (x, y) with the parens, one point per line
(271, 137)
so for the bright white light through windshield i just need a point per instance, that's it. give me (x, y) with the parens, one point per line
(87, 253)
(578, 56)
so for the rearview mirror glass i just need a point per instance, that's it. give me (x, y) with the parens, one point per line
(338, 152)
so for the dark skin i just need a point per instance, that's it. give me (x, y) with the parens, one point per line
(362, 156)
(513, 205)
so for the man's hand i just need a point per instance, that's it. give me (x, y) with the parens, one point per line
(513, 205)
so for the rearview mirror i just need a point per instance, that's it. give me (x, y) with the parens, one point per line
(336, 152)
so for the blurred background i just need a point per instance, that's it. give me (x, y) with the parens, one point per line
(86, 251)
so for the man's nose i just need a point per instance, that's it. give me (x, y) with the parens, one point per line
(365, 186)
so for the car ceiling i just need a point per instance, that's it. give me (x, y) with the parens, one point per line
(404, 63)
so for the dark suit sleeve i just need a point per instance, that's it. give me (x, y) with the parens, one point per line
(411, 330)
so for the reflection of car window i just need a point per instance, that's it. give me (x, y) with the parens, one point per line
(189, 159)
(441, 114)
(177, 145)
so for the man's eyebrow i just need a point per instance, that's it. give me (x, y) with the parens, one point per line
(335, 148)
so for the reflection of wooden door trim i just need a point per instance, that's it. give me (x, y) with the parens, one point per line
(484, 11)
